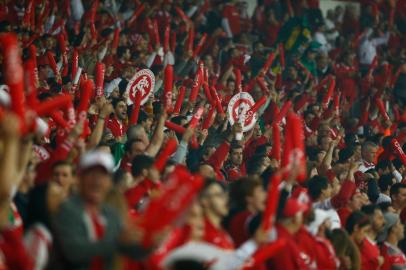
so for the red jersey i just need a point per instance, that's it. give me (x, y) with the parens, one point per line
(233, 16)
(217, 236)
(117, 129)
(369, 255)
(394, 257)
(238, 227)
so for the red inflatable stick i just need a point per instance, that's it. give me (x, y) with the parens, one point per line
(168, 85)
(54, 66)
(85, 95)
(175, 127)
(29, 81)
(264, 253)
(156, 33)
(75, 63)
(182, 14)
(399, 151)
(197, 82)
(395, 77)
(28, 14)
(13, 73)
(269, 62)
(116, 39)
(50, 105)
(262, 85)
(337, 103)
(322, 83)
(173, 41)
(179, 100)
(373, 66)
(250, 113)
(282, 113)
(100, 71)
(136, 14)
(175, 197)
(57, 116)
(92, 18)
(238, 81)
(217, 100)
(282, 55)
(276, 145)
(295, 124)
(329, 94)
(272, 201)
(167, 36)
(165, 154)
(199, 46)
(136, 108)
(196, 118)
(209, 118)
(190, 39)
(381, 108)
(33, 57)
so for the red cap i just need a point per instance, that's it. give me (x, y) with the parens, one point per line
(293, 206)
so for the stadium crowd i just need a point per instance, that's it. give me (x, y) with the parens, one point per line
(190, 135)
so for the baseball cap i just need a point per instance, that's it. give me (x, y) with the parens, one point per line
(97, 158)
(293, 206)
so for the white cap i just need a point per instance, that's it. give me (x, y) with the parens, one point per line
(97, 158)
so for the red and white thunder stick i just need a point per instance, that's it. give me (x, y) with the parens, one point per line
(100, 71)
(165, 154)
(199, 46)
(136, 108)
(13, 74)
(179, 100)
(168, 85)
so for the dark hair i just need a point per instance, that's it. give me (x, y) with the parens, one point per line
(397, 162)
(186, 264)
(141, 162)
(242, 188)
(62, 163)
(208, 183)
(345, 154)
(357, 218)
(316, 185)
(253, 166)
(394, 190)
(115, 101)
(369, 209)
(383, 164)
(129, 143)
(121, 50)
(142, 117)
(385, 181)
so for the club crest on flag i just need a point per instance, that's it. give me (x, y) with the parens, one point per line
(238, 108)
(143, 81)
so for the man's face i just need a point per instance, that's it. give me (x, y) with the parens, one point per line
(356, 202)
(207, 171)
(63, 176)
(147, 124)
(95, 183)
(236, 156)
(369, 153)
(398, 229)
(137, 148)
(378, 221)
(121, 110)
(215, 200)
(257, 199)
(400, 198)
